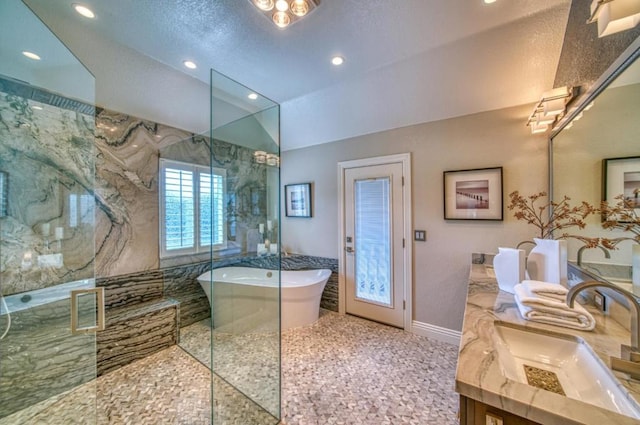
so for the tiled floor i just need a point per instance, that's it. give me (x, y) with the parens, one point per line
(341, 370)
(345, 370)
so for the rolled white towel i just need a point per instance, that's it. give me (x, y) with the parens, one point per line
(546, 310)
(545, 289)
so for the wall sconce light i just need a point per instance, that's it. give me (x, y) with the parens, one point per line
(285, 12)
(614, 15)
(261, 157)
(549, 109)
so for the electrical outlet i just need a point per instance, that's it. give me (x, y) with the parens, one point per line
(420, 235)
(600, 301)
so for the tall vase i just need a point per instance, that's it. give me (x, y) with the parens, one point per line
(547, 261)
(509, 266)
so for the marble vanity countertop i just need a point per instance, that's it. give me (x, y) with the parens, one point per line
(479, 375)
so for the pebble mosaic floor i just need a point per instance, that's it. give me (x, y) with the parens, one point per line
(341, 370)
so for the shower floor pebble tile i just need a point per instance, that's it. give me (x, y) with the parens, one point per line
(341, 370)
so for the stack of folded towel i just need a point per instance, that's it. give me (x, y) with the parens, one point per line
(545, 302)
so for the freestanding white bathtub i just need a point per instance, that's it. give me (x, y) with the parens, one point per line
(243, 292)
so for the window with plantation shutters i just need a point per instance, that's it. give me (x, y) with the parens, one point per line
(192, 208)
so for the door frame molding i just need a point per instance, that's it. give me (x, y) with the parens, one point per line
(405, 160)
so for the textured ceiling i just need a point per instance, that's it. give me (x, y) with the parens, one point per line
(407, 61)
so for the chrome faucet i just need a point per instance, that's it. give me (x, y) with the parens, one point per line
(524, 243)
(582, 248)
(629, 361)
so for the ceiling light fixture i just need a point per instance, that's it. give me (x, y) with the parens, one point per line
(282, 5)
(549, 109)
(286, 12)
(190, 64)
(84, 11)
(31, 55)
(252, 96)
(337, 60)
(264, 4)
(614, 15)
(489, 1)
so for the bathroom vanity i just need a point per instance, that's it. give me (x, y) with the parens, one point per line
(493, 387)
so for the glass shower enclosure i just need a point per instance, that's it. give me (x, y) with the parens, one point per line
(49, 306)
(245, 299)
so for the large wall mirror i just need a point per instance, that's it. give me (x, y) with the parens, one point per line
(596, 153)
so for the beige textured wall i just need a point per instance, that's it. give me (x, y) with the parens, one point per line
(441, 264)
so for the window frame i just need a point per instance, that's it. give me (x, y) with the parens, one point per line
(196, 170)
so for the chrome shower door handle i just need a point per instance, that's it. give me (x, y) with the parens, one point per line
(100, 321)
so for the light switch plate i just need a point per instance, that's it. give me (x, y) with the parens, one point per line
(420, 235)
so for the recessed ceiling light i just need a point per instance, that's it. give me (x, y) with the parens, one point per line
(84, 11)
(31, 55)
(252, 96)
(337, 60)
(489, 1)
(190, 64)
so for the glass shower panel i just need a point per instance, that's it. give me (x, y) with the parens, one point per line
(245, 354)
(373, 240)
(46, 225)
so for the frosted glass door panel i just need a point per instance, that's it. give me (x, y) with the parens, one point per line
(373, 240)
(373, 243)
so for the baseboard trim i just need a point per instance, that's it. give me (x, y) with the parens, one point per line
(436, 332)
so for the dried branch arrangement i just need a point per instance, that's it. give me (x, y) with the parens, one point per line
(550, 217)
(622, 215)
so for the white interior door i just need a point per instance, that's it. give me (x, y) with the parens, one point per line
(374, 242)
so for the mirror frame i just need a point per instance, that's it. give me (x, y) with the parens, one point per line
(618, 66)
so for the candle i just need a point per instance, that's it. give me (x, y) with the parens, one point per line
(59, 232)
(269, 225)
(45, 229)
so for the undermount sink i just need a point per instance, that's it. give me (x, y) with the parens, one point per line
(560, 363)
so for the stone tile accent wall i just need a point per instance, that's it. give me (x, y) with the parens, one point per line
(135, 332)
(40, 358)
(131, 289)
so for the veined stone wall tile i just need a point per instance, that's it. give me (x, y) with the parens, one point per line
(135, 333)
(47, 155)
(132, 289)
(40, 357)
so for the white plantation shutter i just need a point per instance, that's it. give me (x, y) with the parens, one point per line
(192, 208)
(218, 218)
(179, 202)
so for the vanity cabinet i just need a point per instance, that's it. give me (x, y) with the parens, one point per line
(473, 412)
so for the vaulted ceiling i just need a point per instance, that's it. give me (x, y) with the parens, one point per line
(407, 61)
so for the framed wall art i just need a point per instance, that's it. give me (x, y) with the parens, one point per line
(473, 194)
(297, 200)
(621, 177)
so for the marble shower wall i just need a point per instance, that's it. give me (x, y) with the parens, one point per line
(47, 153)
(127, 222)
(49, 158)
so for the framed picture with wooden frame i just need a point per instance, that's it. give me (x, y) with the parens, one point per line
(473, 194)
(297, 200)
